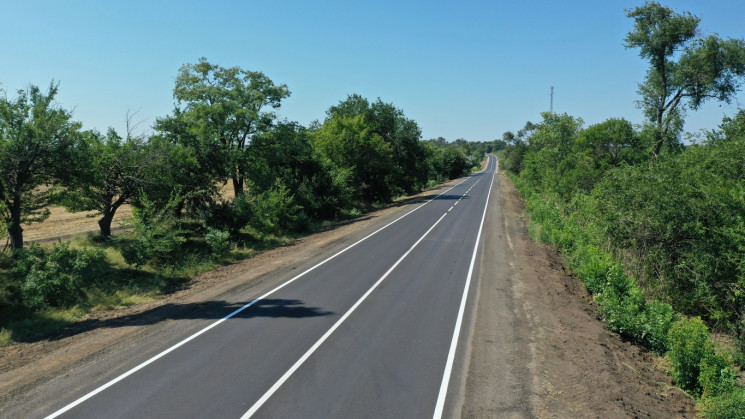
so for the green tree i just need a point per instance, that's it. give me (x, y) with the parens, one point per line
(556, 131)
(685, 70)
(409, 170)
(188, 171)
(218, 111)
(611, 143)
(284, 154)
(111, 170)
(453, 162)
(550, 154)
(517, 147)
(36, 138)
(731, 128)
(351, 146)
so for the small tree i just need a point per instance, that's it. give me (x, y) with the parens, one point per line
(111, 171)
(686, 69)
(36, 138)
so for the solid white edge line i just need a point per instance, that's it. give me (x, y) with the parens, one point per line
(256, 406)
(192, 337)
(456, 333)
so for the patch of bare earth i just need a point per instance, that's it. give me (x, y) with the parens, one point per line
(63, 224)
(579, 367)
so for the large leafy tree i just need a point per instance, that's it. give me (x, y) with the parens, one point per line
(36, 137)
(409, 171)
(218, 111)
(358, 154)
(686, 69)
(284, 155)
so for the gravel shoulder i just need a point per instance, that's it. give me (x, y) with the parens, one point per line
(563, 362)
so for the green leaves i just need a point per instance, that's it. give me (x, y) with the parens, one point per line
(686, 70)
(55, 277)
(711, 68)
(218, 112)
(659, 32)
(36, 142)
(349, 143)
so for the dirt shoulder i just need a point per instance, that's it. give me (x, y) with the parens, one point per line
(568, 363)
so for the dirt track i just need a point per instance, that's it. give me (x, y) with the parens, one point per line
(574, 365)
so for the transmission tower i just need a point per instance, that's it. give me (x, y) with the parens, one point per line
(552, 99)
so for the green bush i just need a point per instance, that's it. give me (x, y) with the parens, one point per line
(654, 325)
(218, 241)
(727, 406)
(689, 345)
(154, 235)
(717, 376)
(55, 278)
(592, 267)
(682, 241)
(275, 211)
(230, 216)
(620, 303)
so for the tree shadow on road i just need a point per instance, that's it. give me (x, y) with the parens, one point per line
(211, 310)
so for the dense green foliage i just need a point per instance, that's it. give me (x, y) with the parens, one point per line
(653, 227)
(109, 173)
(218, 111)
(36, 138)
(648, 239)
(680, 222)
(697, 365)
(54, 277)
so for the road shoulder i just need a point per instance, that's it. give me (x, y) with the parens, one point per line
(537, 348)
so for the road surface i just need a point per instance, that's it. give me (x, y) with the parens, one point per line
(370, 329)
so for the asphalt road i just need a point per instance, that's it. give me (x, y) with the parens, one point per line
(371, 331)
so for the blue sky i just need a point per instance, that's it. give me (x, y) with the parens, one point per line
(466, 69)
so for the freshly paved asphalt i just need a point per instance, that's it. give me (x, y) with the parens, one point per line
(386, 358)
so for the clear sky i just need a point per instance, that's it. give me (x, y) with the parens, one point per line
(461, 69)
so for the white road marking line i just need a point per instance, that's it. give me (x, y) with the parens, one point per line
(456, 333)
(192, 337)
(326, 335)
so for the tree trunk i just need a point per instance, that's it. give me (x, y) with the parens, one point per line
(108, 214)
(105, 224)
(15, 231)
(658, 145)
(238, 185)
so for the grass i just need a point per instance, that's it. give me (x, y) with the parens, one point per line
(118, 285)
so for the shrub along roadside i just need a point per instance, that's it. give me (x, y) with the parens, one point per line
(698, 368)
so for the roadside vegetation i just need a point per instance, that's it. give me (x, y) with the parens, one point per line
(288, 180)
(654, 227)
